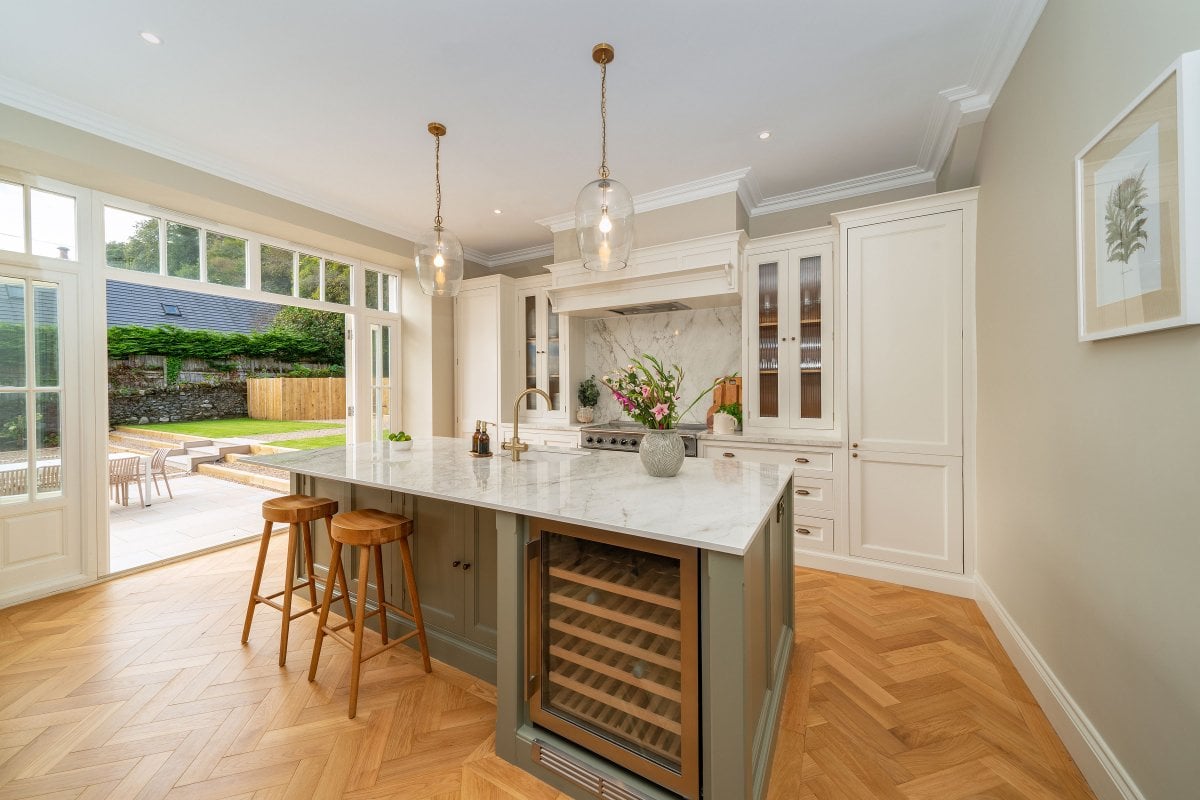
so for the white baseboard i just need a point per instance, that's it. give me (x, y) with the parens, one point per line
(1096, 760)
(917, 577)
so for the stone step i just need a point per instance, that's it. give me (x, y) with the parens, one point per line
(181, 439)
(189, 461)
(133, 443)
(220, 448)
(245, 477)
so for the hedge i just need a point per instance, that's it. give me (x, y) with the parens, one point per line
(168, 340)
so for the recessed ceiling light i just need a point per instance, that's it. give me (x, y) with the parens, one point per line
(152, 38)
(764, 135)
(497, 211)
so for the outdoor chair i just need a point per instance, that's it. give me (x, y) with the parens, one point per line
(49, 477)
(158, 468)
(12, 482)
(121, 473)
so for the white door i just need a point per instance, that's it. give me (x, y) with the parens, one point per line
(41, 441)
(477, 375)
(908, 509)
(377, 354)
(905, 350)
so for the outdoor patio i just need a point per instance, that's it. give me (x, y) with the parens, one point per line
(204, 513)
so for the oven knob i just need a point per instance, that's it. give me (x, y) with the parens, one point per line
(624, 443)
(612, 440)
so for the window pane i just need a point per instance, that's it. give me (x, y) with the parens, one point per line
(310, 277)
(12, 335)
(183, 251)
(52, 224)
(45, 337)
(226, 260)
(14, 457)
(386, 298)
(46, 430)
(337, 282)
(276, 270)
(12, 217)
(372, 287)
(131, 240)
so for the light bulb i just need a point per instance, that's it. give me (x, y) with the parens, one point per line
(439, 277)
(605, 223)
(439, 261)
(604, 251)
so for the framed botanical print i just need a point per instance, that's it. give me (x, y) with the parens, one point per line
(1137, 202)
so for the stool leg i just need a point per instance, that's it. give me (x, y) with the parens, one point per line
(256, 584)
(293, 535)
(308, 564)
(341, 573)
(418, 618)
(364, 567)
(334, 558)
(378, 551)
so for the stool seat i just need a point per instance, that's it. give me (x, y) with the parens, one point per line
(369, 526)
(368, 529)
(296, 508)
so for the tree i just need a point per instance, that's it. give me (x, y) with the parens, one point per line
(139, 252)
(326, 327)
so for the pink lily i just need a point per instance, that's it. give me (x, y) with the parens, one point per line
(660, 411)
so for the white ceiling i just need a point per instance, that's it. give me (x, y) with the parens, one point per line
(327, 103)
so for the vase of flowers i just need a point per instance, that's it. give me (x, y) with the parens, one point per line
(649, 393)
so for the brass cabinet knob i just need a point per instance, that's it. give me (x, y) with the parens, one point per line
(854, 444)
(854, 455)
(466, 566)
(455, 564)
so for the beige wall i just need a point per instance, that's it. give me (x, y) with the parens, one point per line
(800, 219)
(1089, 509)
(517, 269)
(958, 171)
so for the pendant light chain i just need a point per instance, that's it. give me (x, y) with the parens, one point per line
(604, 118)
(437, 180)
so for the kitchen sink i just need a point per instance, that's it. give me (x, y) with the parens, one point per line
(553, 454)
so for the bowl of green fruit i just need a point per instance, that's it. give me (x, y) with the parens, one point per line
(399, 442)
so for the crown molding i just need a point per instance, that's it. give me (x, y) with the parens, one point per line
(512, 256)
(26, 98)
(713, 186)
(867, 184)
(1010, 28)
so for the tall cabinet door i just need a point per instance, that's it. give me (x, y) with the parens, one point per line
(905, 350)
(809, 337)
(766, 324)
(477, 321)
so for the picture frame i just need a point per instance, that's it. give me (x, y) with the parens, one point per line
(1137, 208)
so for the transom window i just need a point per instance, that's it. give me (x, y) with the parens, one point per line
(37, 222)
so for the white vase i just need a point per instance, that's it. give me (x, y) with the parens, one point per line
(724, 424)
(585, 414)
(661, 452)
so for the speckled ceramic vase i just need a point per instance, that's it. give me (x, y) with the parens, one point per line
(661, 452)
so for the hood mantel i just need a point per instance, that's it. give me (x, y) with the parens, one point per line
(699, 273)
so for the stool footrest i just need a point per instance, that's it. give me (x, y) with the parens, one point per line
(298, 614)
(332, 634)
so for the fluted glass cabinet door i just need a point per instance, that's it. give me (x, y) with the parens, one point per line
(767, 395)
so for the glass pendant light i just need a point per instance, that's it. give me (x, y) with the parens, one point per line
(438, 253)
(604, 209)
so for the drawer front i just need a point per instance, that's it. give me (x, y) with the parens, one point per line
(814, 496)
(560, 439)
(798, 458)
(812, 533)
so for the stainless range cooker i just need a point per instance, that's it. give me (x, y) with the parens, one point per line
(627, 436)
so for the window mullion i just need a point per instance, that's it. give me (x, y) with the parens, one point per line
(203, 255)
(26, 200)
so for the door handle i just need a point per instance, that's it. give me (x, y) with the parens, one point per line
(727, 455)
(802, 460)
(804, 492)
(803, 531)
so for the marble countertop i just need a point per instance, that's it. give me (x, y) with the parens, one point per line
(712, 504)
(786, 440)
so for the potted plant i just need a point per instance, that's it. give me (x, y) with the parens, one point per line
(728, 418)
(588, 395)
(649, 393)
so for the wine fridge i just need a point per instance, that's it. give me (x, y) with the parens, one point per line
(613, 651)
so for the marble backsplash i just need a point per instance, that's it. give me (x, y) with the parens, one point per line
(705, 342)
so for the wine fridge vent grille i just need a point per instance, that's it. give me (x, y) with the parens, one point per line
(581, 775)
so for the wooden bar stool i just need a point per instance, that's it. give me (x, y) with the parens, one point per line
(299, 512)
(369, 529)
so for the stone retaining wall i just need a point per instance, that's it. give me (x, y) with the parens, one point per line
(178, 404)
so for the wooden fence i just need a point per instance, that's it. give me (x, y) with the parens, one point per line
(296, 398)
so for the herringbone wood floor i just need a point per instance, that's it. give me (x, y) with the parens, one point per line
(139, 688)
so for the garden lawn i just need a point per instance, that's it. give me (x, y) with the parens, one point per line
(237, 428)
(314, 443)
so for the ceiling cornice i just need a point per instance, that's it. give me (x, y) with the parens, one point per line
(867, 184)
(26, 98)
(511, 256)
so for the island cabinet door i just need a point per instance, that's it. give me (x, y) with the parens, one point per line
(439, 556)
(480, 621)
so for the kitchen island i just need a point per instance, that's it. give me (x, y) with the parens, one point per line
(638, 630)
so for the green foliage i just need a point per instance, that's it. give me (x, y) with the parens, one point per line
(236, 426)
(734, 410)
(304, 372)
(174, 365)
(222, 366)
(327, 329)
(140, 252)
(313, 443)
(168, 340)
(589, 392)
(1125, 218)
(12, 349)
(226, 260)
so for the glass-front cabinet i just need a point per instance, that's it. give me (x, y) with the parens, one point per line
(543, 352)
(789, 327)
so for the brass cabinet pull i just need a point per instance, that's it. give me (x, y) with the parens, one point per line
(727, 455)
(801, 460)
(803, 531)
(803, 491)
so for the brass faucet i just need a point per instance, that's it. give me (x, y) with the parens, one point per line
(515, 444)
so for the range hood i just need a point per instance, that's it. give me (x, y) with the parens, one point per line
(695, 273)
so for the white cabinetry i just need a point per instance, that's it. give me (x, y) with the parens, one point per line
(484, 381)
(788, 348)
(906, 268)
(544, 358)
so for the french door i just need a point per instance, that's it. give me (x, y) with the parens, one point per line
(375, 371)
(41, 436)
